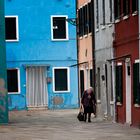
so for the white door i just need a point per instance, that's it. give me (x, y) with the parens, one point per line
(128, 92)
(36, 92)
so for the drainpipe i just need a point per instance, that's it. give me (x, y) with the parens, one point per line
(139, 35)
(93, 46)
(77, 3)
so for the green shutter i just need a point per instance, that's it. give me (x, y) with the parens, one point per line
(136, 86)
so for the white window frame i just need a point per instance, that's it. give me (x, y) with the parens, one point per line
(68, 79)
(18, 74)
(67, 37)
(17, 28)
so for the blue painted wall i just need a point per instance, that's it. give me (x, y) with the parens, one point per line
(36, 47)
(3, 78)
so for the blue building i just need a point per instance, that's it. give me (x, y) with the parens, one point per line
(3, 78)
(41, 47)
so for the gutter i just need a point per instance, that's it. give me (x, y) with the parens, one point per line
(93, 46)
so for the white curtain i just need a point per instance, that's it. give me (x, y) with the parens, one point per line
(36, 86)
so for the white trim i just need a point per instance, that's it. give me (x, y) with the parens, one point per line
(17, 28)
(67, 35)
(125, 17)
(119, 64)
(137, 61)
(135, 13)
(103, 27)
(68, 78)
(117, 20)
(18, 74)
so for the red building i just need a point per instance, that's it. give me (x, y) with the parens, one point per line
(126, 58)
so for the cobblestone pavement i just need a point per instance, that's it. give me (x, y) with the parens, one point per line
(62, 125)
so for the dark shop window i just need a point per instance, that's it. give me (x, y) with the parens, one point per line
(134, 6)
(119, 84)
(12, 79)
(126, 7)
(59, 28)
(117, 8)
(61, 79)
(11, 28)
(136, 84)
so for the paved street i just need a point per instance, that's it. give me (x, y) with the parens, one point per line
(62, 125)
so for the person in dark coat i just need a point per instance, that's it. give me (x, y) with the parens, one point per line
(89, 103)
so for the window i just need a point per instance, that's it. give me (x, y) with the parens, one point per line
(59, 28)
(110, 5)
(91, 77)
(134, 6)
(11, 27)
(85, 8)
(126, 7)
(103, 10)
(13, 80)
(98, 84)
(81, 22)
(89, 16)
(61, 80)
(119, 84)
(136, 84)
(117, 7)
(82, 85)
(97, 14)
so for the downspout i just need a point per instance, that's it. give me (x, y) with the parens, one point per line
(77, 41)
(93, 46)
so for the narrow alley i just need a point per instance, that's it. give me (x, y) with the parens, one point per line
(62, 125)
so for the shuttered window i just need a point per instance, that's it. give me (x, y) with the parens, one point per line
(134, 6)
(89, 16)
(119, 84)
(103, 11)
(126, 7)
(136, 84)
(97, 14)
(117, 8)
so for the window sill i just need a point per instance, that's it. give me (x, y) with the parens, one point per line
(135, 13)
(98, 101)
(103, 27)
(137, 105)
(110, 25)
(12, 40)
(15, 93)
(61, 92)
(80, 38)
(125, 17)
(85, 36)
(119, 104)
(60, 40)
(111, 102)
(117, 20)
(97, 30)
(90, 34)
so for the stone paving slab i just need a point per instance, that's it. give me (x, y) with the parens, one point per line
(62, 125)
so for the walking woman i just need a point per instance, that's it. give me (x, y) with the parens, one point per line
(89, 103)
